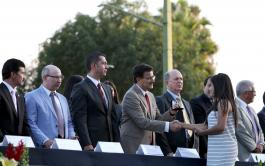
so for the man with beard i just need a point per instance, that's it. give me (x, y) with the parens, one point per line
(92, 105)
(12, 105)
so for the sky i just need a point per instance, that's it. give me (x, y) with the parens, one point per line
(237, 28)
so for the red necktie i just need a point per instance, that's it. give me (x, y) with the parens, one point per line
(148, 102)
(101, 93)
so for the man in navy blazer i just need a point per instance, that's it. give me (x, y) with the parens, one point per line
(12, 109)
(169, 142)
(201, 107)
(49, 116)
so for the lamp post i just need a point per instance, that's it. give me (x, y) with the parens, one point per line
(167, 32)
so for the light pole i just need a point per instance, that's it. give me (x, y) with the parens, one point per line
(167, 32)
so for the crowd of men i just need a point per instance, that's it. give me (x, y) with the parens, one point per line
(89, 114)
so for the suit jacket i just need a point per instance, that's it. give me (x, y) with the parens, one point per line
(201, 106)
(261, 116)
(138, 123)
(170, 141)
(12, 122)
(93, 119)
(246, 138)
(42, 117)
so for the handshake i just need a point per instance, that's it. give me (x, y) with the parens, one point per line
(175, 126)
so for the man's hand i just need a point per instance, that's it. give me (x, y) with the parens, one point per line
(174, 126)
(198, 130)
(259, 148)
(48, 144)
(89, 148)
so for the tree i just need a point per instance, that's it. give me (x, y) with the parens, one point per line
(128, 41)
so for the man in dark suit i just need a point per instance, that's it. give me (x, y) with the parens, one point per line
(92, 105)
(261, 116)
(12, 105)
(169, 142)
(201, 107)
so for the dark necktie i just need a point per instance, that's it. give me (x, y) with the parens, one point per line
(58, 114)
(101, 93)
(254, 126)
(148, 103)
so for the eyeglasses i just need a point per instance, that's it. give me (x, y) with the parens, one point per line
(251, 91)
(57, 77)
(150, 78)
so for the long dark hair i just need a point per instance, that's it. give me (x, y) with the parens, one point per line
(223, 93)
(116, 97)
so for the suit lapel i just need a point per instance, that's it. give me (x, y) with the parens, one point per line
(108, 97)
(143, 100)
(47, 100)
(93, 92)
(20, 108)
(7, 97)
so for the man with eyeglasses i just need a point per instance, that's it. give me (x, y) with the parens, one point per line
(12, 105)
(249, 134)
(48, 111)
(140, 115)
(169, 142)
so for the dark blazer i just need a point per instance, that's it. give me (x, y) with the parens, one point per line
(201, 106)
(171, 140)
(91, 118)
(12, 123)
(261, 116)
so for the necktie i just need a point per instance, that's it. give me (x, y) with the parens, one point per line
(153, 139)
(148, 103)
(14, 98)
(101, 93)
(59, 115)
(185, 116)
(254, 123)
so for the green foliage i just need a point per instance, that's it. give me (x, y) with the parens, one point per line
(128, 41)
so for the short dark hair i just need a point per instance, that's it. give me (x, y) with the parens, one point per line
(139, 70)
(93, 58)
(11, 65)
(72, 80)
(264, 98)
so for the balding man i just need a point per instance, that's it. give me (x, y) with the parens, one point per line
(169, 142)
(248, 132)
(48, 111)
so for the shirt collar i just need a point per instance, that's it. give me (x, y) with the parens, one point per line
(96, 82)
(173, 95)
(143, 92)
(242, 103)
(47, 91)
(9, 87)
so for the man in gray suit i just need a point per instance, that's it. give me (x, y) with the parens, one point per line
(249, 133)
(140, 116)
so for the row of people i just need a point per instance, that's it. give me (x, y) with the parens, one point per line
(94, 117)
